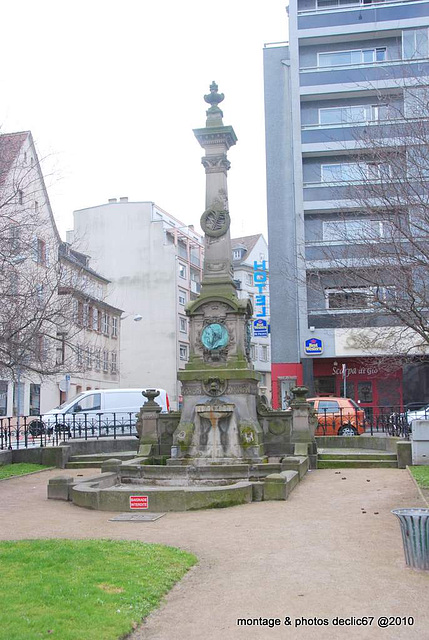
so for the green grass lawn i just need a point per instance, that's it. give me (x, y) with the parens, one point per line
(421, 474)
(19, 469)
(83, 589)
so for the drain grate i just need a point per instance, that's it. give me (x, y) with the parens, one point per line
(137, 517)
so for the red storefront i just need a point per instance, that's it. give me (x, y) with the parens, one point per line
(369, 382)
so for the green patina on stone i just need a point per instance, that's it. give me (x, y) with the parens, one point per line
(184, 436)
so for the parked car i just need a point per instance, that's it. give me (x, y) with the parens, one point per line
(418, 414)
(338, 416)
(97, 412)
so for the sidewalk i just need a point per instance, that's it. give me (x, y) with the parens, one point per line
(316, 555)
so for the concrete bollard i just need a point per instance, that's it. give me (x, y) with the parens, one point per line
(59, 488)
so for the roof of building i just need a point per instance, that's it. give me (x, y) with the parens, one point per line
(245, 241)
(10, 146)
(80, 260)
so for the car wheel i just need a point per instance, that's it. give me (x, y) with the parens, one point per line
(347, 430)
(36, 428)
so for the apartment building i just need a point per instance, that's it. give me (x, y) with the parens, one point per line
(154, 263)
(251, 275)
(48, 296)
(349, 68)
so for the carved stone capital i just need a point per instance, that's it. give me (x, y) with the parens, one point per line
(216, 164)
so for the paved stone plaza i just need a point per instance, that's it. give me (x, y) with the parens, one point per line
(317, 554)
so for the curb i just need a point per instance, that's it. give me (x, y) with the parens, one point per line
(419, 490)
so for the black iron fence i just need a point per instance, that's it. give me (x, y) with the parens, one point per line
(50, 430)
(391, 421)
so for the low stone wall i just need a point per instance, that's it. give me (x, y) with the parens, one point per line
(48, 456)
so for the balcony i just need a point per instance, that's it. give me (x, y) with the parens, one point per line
(368, 16)
(387, 74)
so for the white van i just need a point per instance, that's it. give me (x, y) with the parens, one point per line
(98, 412)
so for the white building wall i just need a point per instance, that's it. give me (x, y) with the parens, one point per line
(128, 243)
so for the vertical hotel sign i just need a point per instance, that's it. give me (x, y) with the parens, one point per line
(260, 281)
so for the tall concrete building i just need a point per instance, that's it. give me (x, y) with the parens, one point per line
(346, 69)
(154, 263)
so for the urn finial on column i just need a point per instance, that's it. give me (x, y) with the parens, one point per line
(214, 114)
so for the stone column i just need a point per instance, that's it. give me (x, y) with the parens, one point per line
(147, 424)
(216, 139)
(303, 424)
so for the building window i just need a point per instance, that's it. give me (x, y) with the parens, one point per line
(355, 298)
(97, 359)
(61, 348)
(253, 355)
(182, 297)
(36, 207)
(39, 251)
(41, 351)
(105, 361)
(95, 326)
(352, 113)
(182, 270)
(183, 325)
(236, 254)
(18, 398)
(264, 353)
(34, 399)
(183, 352)
(415, 43)
(40, 295)
(114, 327)
(353, 230)
(249, 279)
(106, 324)
(349, 171)
(85, 315)
(79, 355)
(20, 196)
(3, 397)
(88, 359)
(113, 365)
(356, 56)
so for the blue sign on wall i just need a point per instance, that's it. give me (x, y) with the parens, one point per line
(313, 346)
(260, 328)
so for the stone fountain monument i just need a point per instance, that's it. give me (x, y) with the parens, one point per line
(227, 447)
(219, 422)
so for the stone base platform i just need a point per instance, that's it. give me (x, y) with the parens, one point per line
(131, 485)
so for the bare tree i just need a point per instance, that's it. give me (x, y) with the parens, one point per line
(377, 246)
(35, 319)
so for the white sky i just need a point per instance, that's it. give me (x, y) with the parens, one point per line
(112, 90)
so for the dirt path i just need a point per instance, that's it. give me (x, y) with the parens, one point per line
(316, 555)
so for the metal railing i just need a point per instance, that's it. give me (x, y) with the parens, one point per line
(375, 420)
(22, 432)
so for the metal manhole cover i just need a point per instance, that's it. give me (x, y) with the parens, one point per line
(137, 517)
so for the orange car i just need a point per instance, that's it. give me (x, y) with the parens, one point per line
(338, 416)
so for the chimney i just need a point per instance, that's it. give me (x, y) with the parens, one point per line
(112, 200)
(123, 199)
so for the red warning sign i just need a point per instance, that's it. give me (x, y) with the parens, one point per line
(139, 502)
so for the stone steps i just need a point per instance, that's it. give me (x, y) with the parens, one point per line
(355, 459)
(358, 455)
(96, 459)
(356, 464)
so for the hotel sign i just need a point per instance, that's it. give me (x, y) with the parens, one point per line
(313, 347)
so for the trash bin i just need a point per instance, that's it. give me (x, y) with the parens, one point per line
(415, 536)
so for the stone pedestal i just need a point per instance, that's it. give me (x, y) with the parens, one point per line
(147, 423)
